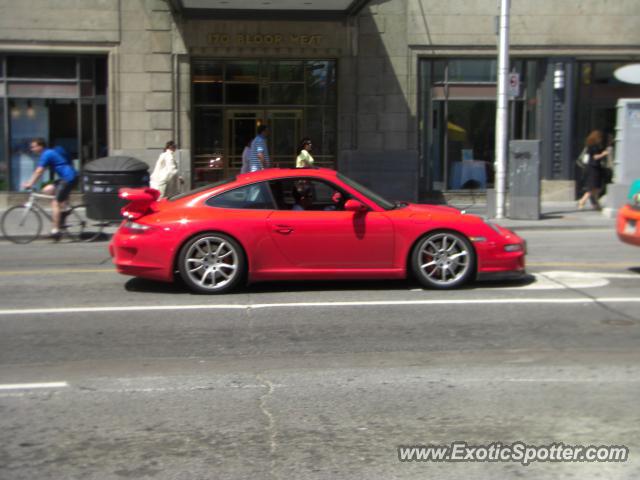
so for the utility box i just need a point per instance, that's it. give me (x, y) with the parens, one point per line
(626, 162)
(524, 179)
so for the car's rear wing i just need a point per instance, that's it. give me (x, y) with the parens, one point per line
(142, 201)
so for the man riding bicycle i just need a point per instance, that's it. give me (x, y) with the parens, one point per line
(61, 189)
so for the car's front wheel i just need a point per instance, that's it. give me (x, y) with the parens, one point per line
(211, 263)
(443, 260)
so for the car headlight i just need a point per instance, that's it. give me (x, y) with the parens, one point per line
(513, 247)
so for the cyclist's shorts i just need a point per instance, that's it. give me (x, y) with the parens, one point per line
(63, 189)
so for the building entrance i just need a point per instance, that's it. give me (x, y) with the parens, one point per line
(285, 132)
(231, 98)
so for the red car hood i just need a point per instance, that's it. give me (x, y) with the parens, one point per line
(417, 208)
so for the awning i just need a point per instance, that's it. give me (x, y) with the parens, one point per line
(305, 9)
(456, 133)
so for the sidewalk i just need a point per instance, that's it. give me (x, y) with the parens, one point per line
(554, 215)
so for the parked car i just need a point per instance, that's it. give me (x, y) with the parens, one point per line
(628, 224)
(304, 224)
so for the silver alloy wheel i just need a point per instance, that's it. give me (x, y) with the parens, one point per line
(211, 263)
(444, 259)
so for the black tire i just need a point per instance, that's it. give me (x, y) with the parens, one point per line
(21, 224)
(443, 260)
(212, 263)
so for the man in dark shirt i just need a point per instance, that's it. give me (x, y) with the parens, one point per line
(61, 189)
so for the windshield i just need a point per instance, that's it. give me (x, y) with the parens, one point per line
(382, 202)
(201, 189)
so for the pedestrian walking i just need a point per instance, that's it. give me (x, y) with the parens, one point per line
(246, 158)
(304, 159)
(259, 155)
(594, 172)
(55, 158)
(165, 177)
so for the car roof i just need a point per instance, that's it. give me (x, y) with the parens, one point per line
(271, 173)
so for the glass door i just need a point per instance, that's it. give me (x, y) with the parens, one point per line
(241, 130)
(286, 133)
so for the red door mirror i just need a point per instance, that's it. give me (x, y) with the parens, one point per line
(355, 206)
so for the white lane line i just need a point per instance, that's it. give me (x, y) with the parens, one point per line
(30, 386)
(258, 306)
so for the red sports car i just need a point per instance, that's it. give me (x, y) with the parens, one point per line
(304, 224)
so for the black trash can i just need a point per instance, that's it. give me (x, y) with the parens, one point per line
(101, 180)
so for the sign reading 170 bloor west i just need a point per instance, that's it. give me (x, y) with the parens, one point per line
(255, 40)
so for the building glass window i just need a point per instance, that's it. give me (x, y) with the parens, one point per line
(4, 161)
(41, 67)
(231, 98)
(59, 98)
(598, 92)
(458, 129)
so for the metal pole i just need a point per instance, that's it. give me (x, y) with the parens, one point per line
(502, 111)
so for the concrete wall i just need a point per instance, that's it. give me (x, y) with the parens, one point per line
(534, 23)
(143, 78)
(59, 21)
(380, 122)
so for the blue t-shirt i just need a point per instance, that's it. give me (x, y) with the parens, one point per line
(259, 145)
(52, 158)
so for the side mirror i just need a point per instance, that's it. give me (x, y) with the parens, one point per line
(355, 206)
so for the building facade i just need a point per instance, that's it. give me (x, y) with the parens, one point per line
(399, 94)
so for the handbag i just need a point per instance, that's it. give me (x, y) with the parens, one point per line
(583, 159)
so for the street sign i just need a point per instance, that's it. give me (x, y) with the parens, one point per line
(514, 85)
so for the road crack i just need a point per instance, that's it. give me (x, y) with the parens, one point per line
(272, 429)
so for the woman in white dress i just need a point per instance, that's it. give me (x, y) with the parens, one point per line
(304, 159)
(246, 158)
(165, 174)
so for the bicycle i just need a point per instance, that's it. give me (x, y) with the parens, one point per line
(22, 224)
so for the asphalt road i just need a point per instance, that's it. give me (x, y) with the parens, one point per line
(106, 377)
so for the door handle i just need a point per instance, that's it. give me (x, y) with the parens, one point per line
(283, 229)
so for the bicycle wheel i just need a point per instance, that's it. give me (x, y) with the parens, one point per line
(73, 224)
(21, 224)
(92, 229)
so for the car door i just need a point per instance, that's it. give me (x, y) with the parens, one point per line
(323, 235)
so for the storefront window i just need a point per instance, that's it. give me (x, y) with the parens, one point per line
(41, 67)
(4, 164)
(459, 108)
(207, 82)
(286, 71)
(598, 92)
(321, 83)
(61, 99)
(472, 71)
(241, 71)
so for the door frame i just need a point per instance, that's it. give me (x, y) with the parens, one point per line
(233, 161)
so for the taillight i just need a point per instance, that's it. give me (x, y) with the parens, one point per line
(136, 228)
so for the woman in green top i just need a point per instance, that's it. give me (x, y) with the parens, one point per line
(304, 160)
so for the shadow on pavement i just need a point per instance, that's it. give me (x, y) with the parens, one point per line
(141, 285)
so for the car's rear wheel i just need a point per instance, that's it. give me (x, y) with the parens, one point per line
(211, 263)
(443, 260)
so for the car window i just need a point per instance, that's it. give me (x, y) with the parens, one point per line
(307, 194)
(201, 189)
(254, 197)
(382, 202)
